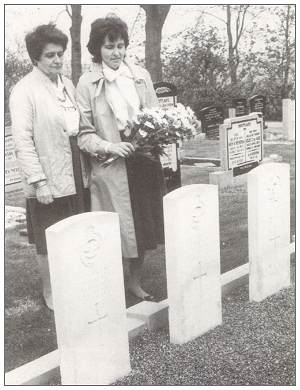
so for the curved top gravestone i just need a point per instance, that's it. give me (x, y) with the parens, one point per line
(85, 261)
(193, 270)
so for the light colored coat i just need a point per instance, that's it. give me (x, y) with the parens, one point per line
(41, 142)
(109, 186)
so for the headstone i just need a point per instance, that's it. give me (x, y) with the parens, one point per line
(167, 97)
(191, 215)
(86, 272)
(240, 105)
(12, 172)
(241, 143)
(166, 94)
(269, 229)
(211, 117)
(257, 103)
(288, 118)
(231, 112)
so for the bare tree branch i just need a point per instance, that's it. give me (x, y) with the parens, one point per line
(68, 11)
(242, 25)
(57, 16)
(208, 13)
(133, 24)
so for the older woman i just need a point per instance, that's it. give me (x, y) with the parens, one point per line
(45, 122)
(110, 94)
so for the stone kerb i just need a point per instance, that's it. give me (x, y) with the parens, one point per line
(268, 229)
(191, 216)
(86, 272)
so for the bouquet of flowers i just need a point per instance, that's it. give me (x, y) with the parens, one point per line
(153, 129)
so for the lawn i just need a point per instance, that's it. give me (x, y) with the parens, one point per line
(30, 328)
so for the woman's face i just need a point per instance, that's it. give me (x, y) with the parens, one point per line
(113, 53)
(51, 60)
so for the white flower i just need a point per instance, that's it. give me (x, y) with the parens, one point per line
(127, 132)
(143, 133)
(149, 124)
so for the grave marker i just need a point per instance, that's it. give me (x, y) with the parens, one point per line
(241, 143)
(166, 94)
(269, 229)
(257, 103)
(211, 118)
(240, 105)
(12, 171)
(192, 261)
(288, 118)
(167, 97)
(86, 272)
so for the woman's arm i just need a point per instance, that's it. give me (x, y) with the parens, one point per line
(22, 111)
(88, 140)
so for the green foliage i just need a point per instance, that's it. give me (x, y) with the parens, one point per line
(197, 67)
(15, 67)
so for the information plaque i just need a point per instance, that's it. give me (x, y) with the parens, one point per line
(241, 143)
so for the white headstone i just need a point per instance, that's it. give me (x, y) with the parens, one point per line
(269, 229)
(86, 272)
(192, 243)
(288, 118)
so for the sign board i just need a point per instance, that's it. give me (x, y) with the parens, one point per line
(241, 143)
(167, 97)
(240, 105)
(12, 170)
(211, 118)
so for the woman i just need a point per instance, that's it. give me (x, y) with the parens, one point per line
(45, 122)
(111, 93)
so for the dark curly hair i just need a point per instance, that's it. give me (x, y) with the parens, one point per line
(111, 26)
(40, 37)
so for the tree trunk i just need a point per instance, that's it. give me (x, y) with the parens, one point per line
(155, 18)
(231, 56)
(75, 31)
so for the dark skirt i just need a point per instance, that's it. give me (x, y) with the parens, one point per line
(146, 188)
(40, 216)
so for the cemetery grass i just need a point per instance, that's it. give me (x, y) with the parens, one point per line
(30, 328)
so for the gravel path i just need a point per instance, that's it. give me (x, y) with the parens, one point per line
(255, 345)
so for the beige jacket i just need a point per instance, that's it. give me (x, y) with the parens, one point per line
(109, 186)
(41, 141)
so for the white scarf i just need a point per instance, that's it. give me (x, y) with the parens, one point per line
(121, 93)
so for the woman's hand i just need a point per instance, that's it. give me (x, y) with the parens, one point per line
(121, 149)
(44, 195)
